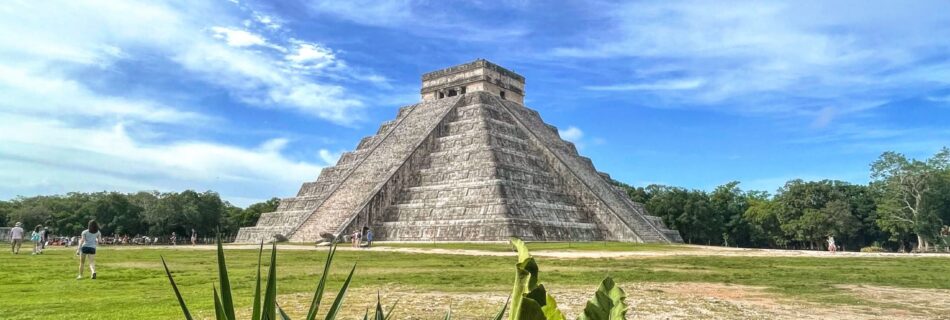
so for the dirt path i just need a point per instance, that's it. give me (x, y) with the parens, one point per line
(692, 250)
(655, 301)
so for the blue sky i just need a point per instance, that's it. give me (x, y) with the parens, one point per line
(252, 98)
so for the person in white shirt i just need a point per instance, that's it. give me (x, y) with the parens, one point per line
(16, 238)
(87, 246)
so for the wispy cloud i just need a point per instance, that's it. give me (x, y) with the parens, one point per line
(198, 38)
(428, 19)
(45, 155)
(678, 84)
(781, 58)
(65, 127)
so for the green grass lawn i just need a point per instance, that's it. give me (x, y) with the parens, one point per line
(132, 284)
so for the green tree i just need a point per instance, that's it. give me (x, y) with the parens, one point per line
(689, 211)
(909, 195)
(730, 203)
(762, 219)
(253, 212)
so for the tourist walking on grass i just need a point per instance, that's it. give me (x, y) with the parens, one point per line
(36, 237)
(88, 242)
(831, 244)
(44, 238)
(356, 239)
(16, 238)
(194, 238)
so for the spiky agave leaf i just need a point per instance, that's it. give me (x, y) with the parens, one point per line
(283, 315)
(256, 309)
(219, 313)
(181, 302)
(378, 315)
(448, 315)
(335, 307)
(270, 293)
(318, 293)
(226, 302)
(391, 308)
(608, 303)
(501, 313)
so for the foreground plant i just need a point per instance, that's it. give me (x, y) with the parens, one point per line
(268, 308)
(531, 300)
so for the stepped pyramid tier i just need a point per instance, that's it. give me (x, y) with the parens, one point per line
(468, 163)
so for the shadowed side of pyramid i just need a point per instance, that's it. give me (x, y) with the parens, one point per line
(468, 163)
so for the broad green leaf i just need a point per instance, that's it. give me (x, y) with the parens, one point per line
(226, 301)
(608, 303)
(521, 248)
(219, 313)
(538, 295)
(256, 309)
(318, 293)
(530, 310)
(270, 293)
(526, 280)
(550, 309)
(335, 307)
(181, 302)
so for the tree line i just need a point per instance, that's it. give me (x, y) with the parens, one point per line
(906, 206)
(147, 213)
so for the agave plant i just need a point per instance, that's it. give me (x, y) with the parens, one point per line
(268, 308)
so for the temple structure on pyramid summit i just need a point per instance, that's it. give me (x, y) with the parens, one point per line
(469, 162)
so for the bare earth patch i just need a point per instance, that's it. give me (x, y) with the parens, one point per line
(655, 301)
(681, 300)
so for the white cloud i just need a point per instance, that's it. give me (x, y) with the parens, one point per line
(780, 58)
(677, 84)
(42, 155)
(311, 56)
(268, 21)
(96, 34)
(237, 37)
(572, 134)
(429, 19)
(27, 92)
(64, 127)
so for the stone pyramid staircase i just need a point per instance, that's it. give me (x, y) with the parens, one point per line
(469, 167)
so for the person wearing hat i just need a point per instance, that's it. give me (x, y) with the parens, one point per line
(16, 238)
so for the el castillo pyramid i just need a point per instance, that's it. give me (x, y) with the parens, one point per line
(468, 163)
